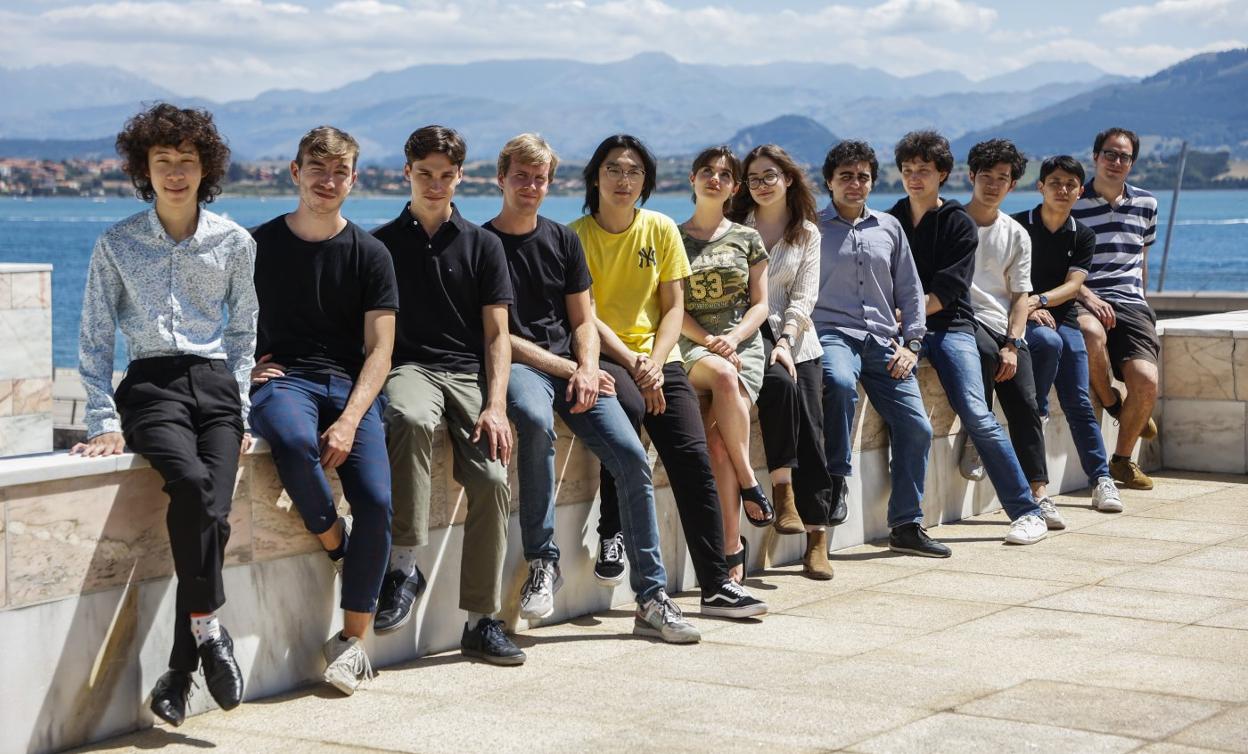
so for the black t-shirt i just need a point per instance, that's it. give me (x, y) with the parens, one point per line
(444, 282)
(943, 246)
(546, 265)
(313, 296)
(1053, 255)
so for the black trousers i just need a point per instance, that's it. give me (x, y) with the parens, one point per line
(183, 414)
(680, 439)
(1018, 401)
(790, 416)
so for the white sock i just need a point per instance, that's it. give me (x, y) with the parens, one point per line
(475, 618)
(205, 627)
(782, 475)
(403, 558)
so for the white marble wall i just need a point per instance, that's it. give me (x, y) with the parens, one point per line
(26, 365)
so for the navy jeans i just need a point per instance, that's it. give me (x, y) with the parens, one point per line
(1061, 357)
(290, 413)
(956, 359)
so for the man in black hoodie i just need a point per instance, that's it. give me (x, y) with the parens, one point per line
(943, 239)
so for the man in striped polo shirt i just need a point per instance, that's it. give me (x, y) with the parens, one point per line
(1118, 324)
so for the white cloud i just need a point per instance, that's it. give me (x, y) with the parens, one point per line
(1126, 60)
(363, 8)
(1198, 12)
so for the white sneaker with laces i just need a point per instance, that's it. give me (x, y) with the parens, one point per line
(1027, 530)
(537, 598)
(1048, 510)
(348, 664)
(1105, 496)
(663, 619)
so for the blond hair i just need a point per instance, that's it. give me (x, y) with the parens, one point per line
(327, 141)
(527, 149)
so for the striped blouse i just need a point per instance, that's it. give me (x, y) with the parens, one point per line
(793, 286)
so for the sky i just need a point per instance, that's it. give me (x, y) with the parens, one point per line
(227, 50)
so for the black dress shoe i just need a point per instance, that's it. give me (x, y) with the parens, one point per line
(840, 509)
(221, 673)
(911, 539)
(487, 641)
(399, 593)
(169, 696)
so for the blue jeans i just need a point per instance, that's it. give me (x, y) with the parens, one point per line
(290, 413)
(533, 397)
(1060, 357)
(956, 359)
(845, 362)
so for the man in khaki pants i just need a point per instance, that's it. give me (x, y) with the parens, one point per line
(451, 360)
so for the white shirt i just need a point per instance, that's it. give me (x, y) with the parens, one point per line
(792, 287)
(1002, 269)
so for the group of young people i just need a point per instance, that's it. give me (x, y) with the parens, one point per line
(346, 350)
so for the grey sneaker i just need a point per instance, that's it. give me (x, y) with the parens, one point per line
(1105, 496)
(662, 618)
(1027, 530)
(1048, 510)
(969, 464)
(347, 520)
(348, 664)
(537, 598)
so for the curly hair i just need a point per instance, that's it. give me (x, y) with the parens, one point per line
(797, 197)
(164, 125)
(928, 146)
(987, 154)
(846, 153)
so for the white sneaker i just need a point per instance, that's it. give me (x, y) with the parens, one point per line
(662, 618)
(347, 520)
(1048, 510)
(537, 598)
(348, 664)
(969, 463)
(1105, 496)
(1027, 530)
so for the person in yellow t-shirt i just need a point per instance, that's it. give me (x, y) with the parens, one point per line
(637, 263)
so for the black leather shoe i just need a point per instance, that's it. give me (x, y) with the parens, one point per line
(399, 593)
(911, 539)
(487, 641)
(221, 673)
(840, 509)
(169, 696)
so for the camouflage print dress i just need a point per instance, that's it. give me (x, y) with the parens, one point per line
(717, 295)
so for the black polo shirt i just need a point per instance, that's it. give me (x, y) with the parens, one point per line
(943, 245)
(546, 265)
(1053, 255)
(444, 281)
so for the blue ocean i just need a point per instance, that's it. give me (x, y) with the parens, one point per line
(1209, 249)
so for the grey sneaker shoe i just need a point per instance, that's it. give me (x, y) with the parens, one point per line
(1027, 530)
(1105, 496)
(348, 664)
(347, 520)
(537, 598)
(662, 618)
(969, 463)
(1048, 510)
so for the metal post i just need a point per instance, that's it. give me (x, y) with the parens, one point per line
(1174, 206)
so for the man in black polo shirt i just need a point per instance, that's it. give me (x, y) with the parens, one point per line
(1061, 254)
(455, 291)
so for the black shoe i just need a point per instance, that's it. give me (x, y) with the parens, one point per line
(399, 593)
(840, 509)
(169, 696)
(609, 566)
(912, 539)
(756, 495)
(488, 642)
(732, 601)
(221, 673)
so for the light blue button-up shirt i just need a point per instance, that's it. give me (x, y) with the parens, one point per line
(193, 297)
(866, 271)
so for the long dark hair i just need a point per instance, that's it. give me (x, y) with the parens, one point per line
(798, 197)
(590, 173)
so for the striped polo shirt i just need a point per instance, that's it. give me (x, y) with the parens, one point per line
(1122, 230)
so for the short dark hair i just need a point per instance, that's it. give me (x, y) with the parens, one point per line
(1117, 131)
(164, 125)
(1064, 163)
(926, 145)
(435, 139)
(846, 152)
(711, 154)
(617, 141)
(987, 154)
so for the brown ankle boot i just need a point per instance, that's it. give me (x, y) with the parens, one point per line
(787, 521)
(815, 563)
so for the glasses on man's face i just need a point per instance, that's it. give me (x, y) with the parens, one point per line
(617, 174)
(770, 178)
(1112, 156)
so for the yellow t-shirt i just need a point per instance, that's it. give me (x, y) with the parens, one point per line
(627, 269)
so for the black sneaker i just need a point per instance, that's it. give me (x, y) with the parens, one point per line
(489, 642)
(221, 673)
(399, 593)
(609, 567)
(169, 696)
(732, 601)
(912, 539)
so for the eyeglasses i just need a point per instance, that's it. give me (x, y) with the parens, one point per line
(770, 178)
(632, 175)
(1112, 156)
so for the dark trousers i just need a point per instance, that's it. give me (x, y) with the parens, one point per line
(680, 439)
(1018, 401)
(790, 417)
(183, 414)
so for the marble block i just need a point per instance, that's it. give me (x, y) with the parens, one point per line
(26, 341)
(941, 415)
(4, 579)
(1203, 435)
(26, 433)
(277, 530)
(1197, 367)
(32, 396)
(6, 289)
(6, 397)
(30, 290)
(1240, 365)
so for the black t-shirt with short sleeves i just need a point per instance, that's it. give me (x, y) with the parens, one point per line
(313, 296)
(1053, 255)
(444, 282)
(546, 265)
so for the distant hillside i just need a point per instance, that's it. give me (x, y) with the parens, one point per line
(58, 149)
(48, 88)
(805, 139)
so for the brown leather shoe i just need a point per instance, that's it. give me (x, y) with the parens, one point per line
(1130, 475)
(815, 563)
(787, 520)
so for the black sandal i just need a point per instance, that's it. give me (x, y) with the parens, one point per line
(756, 495)
(740, 558)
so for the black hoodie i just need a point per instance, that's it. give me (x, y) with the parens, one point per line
(944, 251)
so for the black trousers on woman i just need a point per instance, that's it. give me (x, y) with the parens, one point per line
(183, 414)
(680, 439)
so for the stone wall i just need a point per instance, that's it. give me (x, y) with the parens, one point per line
(25, 358)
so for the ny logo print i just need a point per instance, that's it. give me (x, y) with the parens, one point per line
(646, 257)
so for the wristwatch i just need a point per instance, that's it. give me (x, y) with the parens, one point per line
(1044, 300)
(915, 345)
(787, 339)
(1018, 343)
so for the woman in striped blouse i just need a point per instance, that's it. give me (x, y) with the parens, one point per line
(781, 207)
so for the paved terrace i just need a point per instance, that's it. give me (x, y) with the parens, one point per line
(1124, 633)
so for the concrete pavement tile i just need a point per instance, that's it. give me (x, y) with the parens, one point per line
(449, 675)
(1058, 630)
(1233, 618)
(966, 734)
(1215, 558)
(1232, 494)
(873, 682)
(565, 644)
(207, 732)
(713, 662)
(1125, 713)
(814, 635)
(1227, 731)
(1176, 676)
(1136, 603)
(1200, 511)
(1237, 542)
(651, 736)
(1168, 748)
(1206, 642)
(1143, 527)
(878, 553)
(1165, 578)
(1031, 563)
(1005, 590)
(1209, 478)
(1118, 549)
(905, 610)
